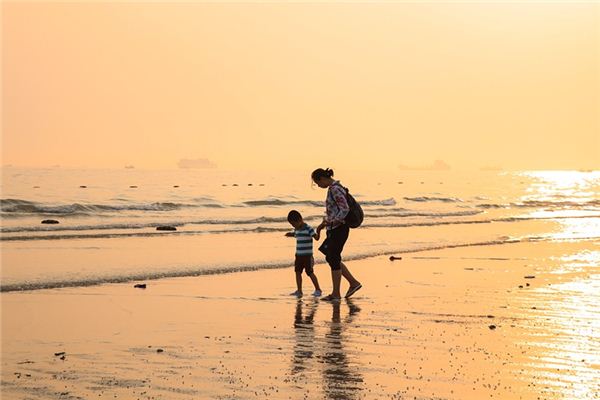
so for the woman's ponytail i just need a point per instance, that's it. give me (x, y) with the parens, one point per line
(321, 173)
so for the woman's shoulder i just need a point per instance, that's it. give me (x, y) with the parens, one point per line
(336, 186)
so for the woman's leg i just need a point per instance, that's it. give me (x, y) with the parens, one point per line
(336, 278)
(346, 273)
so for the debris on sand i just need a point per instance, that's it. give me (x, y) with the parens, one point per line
(166, 228)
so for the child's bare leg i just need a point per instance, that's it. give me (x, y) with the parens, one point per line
(299, 281)
(346, 273)
(315, 281)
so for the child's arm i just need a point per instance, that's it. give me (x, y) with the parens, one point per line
(315, 235)
(289, 234)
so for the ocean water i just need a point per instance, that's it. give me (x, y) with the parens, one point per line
(233, 220)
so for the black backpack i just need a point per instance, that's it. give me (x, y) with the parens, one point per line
(356, 215)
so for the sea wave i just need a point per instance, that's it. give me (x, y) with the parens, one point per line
(263, 229)
(430, 199)
(281, 202)
(543, 204)
(20, 207)
(217, 221)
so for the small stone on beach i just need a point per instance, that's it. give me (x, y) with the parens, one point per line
(166, 228)
(49, 221)
(159, 350)
(392, 258)
(530, 277)
(492, 327)
(140, 286)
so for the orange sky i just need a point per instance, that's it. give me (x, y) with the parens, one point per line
(268, 85)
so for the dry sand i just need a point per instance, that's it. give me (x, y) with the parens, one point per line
(420, 329)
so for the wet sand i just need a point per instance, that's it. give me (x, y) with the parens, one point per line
(512, 321)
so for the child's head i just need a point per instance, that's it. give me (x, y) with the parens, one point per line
(295, 218)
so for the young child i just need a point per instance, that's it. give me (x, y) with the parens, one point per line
(304, 234)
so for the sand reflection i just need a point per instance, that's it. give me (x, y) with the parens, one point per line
(323, 359)
(304, 331)
(342, 379)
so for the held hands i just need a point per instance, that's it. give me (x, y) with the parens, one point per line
(320, 227)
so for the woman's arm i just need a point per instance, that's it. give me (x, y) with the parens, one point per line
(339, 196)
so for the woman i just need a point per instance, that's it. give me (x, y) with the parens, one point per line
(337, 232)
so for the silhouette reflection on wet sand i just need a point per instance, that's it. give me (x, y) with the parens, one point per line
(304, 331)
(341, 377)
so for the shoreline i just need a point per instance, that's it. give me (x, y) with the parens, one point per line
(12, 288)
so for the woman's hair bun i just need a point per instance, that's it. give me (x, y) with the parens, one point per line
(321, 173)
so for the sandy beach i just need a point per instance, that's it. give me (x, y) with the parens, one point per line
(511, 321)
(161, 162)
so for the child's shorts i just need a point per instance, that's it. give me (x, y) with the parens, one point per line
(305, 263)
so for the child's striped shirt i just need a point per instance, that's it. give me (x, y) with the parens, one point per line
(304, 240)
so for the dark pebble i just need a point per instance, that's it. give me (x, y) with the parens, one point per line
(159, 350)
(62, 353)
(166, 228)
(140, 286)
(133, 187)
(49, 221)
(392, 258)
(175, 186)
(492, 327)
(83, 186)
(530, 277)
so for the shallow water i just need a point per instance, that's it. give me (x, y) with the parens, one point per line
(231, 221)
